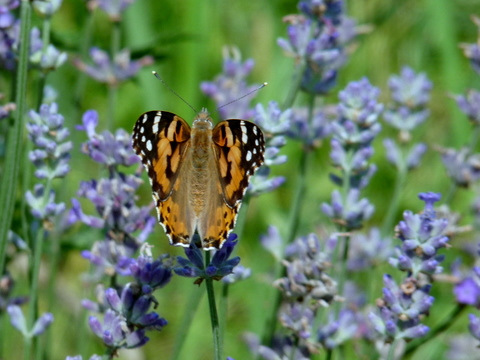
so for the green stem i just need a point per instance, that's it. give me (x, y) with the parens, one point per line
(223, 311)
(188, 315)
(391, 350)
(295, 88)
(13, 153)
(394, 203)
(439, 328)
(217, 345)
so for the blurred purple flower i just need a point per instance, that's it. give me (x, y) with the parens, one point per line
(113, 8)
(239, 273)
(307, 277)
(45, 59)
(297, 318)
(151, 274)
(230, 87)
(112, 72)
(367, 251)
(322, 10)
(467, 291)
(462, 166)
(422, 236)
(470, 105)
(20, 323)
(474, 326)
(312, 132)
(46, 8)
(350, 212)
(408, 161)
(336, 332)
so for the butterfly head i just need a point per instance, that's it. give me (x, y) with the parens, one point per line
(203, 120)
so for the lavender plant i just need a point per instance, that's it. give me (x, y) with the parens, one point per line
(324, 271)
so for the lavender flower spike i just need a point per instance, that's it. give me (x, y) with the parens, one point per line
(19, 322)
(422, 236)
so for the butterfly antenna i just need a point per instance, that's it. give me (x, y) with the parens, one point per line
(244, 96)
(173, 91)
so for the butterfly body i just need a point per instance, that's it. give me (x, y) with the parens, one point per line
(198, 175)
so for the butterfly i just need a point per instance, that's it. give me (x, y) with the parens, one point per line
(199, 174)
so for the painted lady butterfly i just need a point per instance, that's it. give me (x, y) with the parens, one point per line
(198, 175)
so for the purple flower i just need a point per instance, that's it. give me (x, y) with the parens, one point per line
(336, 332)
(45, 59)
(422, 236)
(312, 131)
(467, 291)
(112, 72)
(115, 202)
(43, 206)
(273, 120)
(110, 258)
(230, 87)
(134, 305)
(52, 152)
(220, 265)
(399, 159)
(307, 278)
(470, 105)
(367, 251)
(113, 8)
(151, 274)
(298, 319)
(410, 89)
(115, 334)
(19, 322)
(107, 148)
(239, 273)
(272, 242)
(474, 326)
(462, 166)
(400, 310)
(327, 10)
(350, 212)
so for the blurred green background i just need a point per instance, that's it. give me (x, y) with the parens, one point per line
(186, 37)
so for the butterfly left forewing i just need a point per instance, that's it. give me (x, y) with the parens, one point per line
(162, 139)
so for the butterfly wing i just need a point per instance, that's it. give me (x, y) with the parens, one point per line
(238, 148)
(161, 139)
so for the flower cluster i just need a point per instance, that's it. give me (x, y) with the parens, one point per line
(410, 95)
(112, 72)
(401, 309)
(316, 39)
(220, 265)
(309, 132)
(114, 199)
(230, 87)
(274, 124)
(422, 236)
(353, 133)
(50, 157)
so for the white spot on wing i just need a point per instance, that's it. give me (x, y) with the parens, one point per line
(249, 155)
(145, 117)
(144, 138)
(149, 145)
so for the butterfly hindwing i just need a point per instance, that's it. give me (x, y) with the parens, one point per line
(239, 147)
